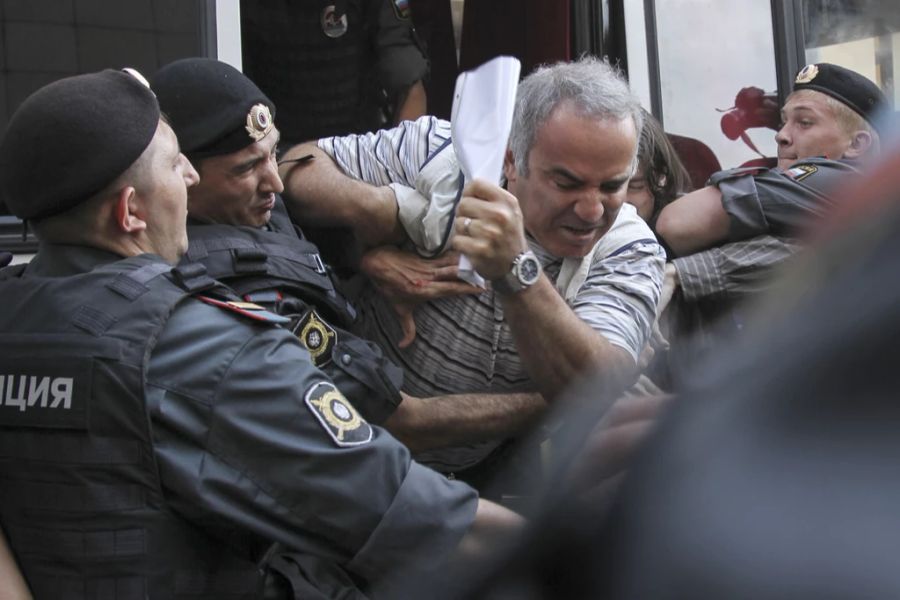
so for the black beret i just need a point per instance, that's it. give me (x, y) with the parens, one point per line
(213, 108)
(71, 138)
(846, 86)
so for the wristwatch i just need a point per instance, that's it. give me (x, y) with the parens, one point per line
(526, 270)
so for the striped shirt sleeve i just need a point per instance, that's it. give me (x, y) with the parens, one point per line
(620, 294)
(390, 155)
(734, 269)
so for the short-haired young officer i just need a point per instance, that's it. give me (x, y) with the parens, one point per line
(829, 130)
(157, 437)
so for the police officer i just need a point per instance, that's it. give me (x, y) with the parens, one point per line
(156, 436)
(727, 237)
(240, 231)
(829, 129)
(335, 66)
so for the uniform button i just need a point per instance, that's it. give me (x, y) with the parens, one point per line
(346, 359)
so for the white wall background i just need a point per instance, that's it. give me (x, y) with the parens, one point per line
(228, 32)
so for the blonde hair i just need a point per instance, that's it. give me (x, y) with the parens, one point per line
(851, 121)
(847, 119)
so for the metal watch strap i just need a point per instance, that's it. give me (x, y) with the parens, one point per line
(511, 282)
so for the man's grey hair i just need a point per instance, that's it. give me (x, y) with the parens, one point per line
(593, 86)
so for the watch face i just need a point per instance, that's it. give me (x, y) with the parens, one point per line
(529, 270)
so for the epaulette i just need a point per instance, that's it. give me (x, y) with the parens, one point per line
(727, 174)
(246, 309)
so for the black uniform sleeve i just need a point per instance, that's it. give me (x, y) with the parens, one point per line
(246, 439)
(779, 203)
(401, 60)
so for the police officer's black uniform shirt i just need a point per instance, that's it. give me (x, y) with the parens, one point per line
(331, 66)
(240, 447)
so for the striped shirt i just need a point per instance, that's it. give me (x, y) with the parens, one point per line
(463, 344)
(732, 270)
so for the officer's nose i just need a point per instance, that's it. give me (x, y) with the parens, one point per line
(782, 136)
(271, 181)
(191, 177)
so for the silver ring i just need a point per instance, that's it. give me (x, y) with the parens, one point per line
(466, 222)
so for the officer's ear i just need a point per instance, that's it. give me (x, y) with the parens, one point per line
(128, 211)
(860, 143)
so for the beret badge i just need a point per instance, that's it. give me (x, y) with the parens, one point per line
(259, 121)
(807, 74)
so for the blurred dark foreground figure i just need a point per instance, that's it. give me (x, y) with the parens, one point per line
(783, 487)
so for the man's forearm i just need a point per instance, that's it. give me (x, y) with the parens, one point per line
(694, 222)
(557, 347)
(444, 421)
(317, 193)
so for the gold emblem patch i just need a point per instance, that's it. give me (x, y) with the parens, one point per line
(259, 121)
(345, 426)
(807, 74)
(317, 336)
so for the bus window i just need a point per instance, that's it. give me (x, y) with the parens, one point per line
(707, 52)
(46, 40)
(863, 35)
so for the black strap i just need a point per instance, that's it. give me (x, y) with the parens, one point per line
(92, 320)
(249, 260)
(249, 252)
(133, 284)
(192, 278)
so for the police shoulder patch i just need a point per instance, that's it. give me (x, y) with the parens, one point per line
(801, 172)
(317, 336)
(246, 309)
(337, 416)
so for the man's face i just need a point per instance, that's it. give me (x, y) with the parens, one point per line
(577, 179)
(810, 129)
(169, 176)
(238, 188)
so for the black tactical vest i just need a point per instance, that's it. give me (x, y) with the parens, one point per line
(80, 496)
(254, 261)
(279, 270)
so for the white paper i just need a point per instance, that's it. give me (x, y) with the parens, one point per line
(483, 104)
